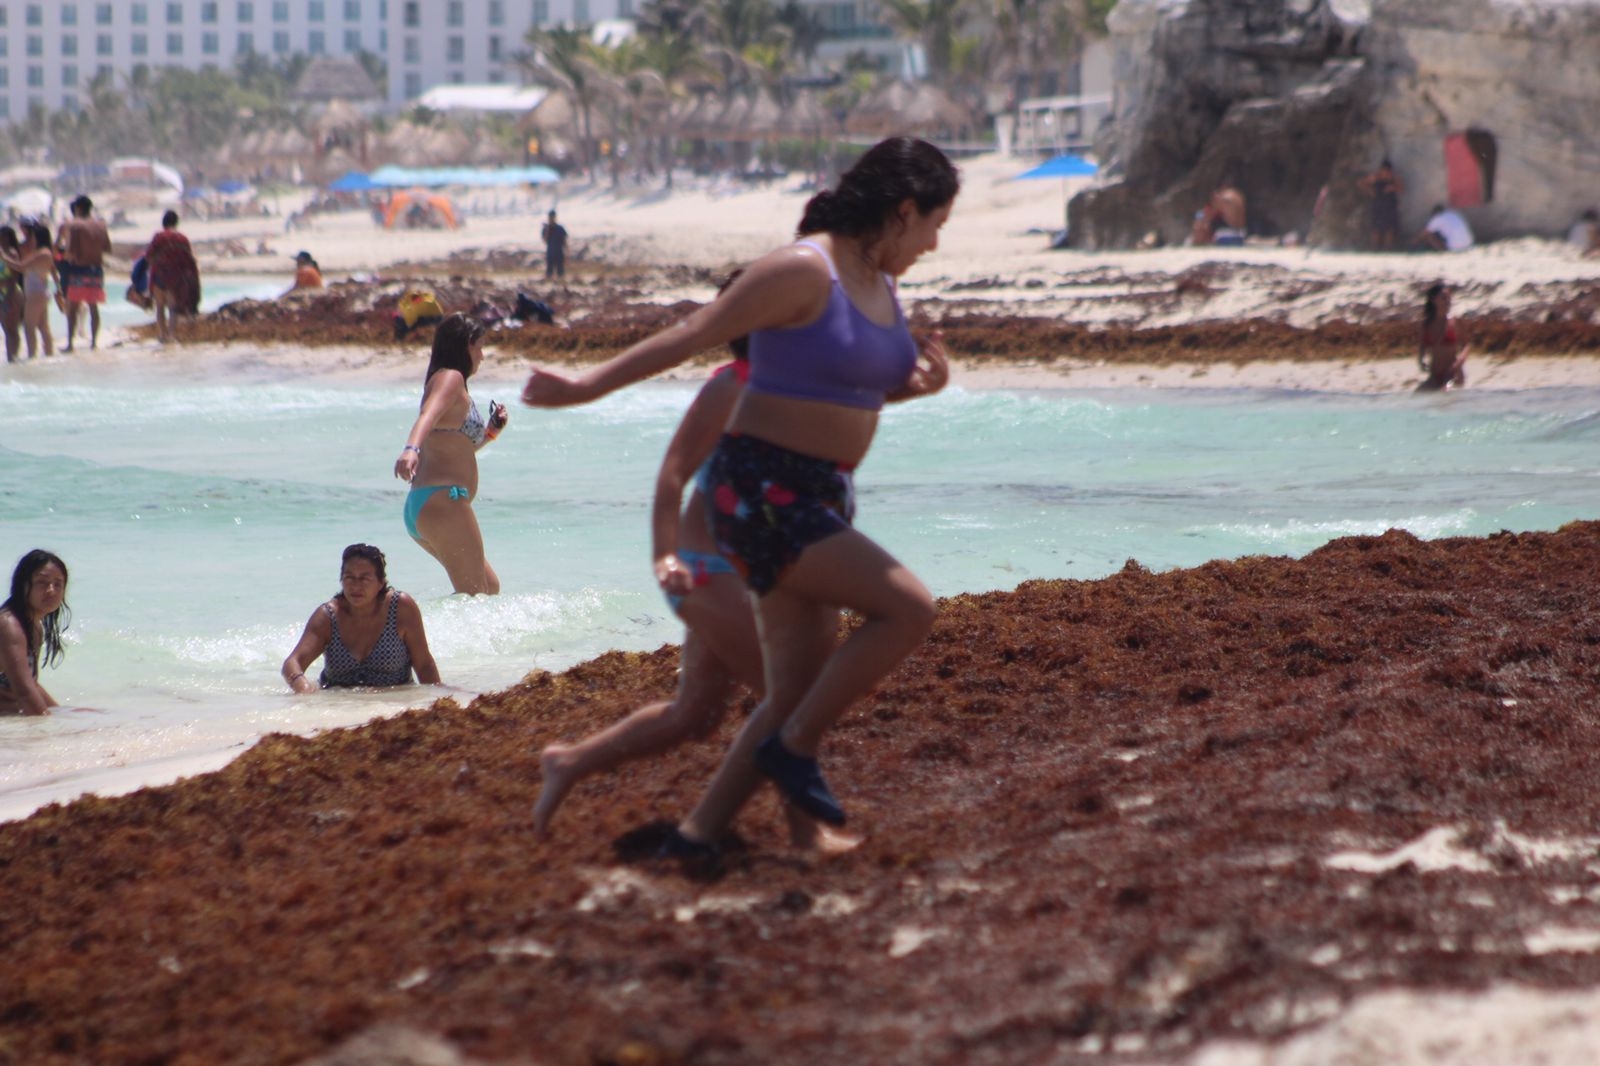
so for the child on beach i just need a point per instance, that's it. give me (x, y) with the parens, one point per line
(365, 613)
(1442, 349)
(31, 622)
(829, 345)
(720, 648)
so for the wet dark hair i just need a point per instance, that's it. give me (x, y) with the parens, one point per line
(82, 206)
(372, 554)
(1385, 164)
(868, 194)
(39, 232)
(8, 238)
(451, 339)
(1430, 303)
(52, 624)
(739, 346)
(169, 220)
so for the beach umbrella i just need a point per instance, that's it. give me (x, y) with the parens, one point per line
(353, 181)
(1066, 165)
(32, 201)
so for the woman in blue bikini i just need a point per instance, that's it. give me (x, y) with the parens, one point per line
(440, 458)
(366, 614)
(829, 346)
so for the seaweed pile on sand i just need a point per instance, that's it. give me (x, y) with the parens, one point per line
(1121, 816)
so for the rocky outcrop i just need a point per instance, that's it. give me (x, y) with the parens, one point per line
(1288, 97)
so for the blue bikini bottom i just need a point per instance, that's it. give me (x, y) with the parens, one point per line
(703, 565)
(417, 497)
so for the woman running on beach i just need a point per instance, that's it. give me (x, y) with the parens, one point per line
(440, 458)
(31, 621)
(1442, 349)
(720, 649)
(34, 260)
(365, 614)
(828, 346)
(174, 277)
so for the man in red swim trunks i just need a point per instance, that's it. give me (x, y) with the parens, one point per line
(82, 246)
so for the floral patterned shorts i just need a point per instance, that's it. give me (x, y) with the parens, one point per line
(768, 504)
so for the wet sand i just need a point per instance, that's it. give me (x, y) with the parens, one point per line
(1132, 817)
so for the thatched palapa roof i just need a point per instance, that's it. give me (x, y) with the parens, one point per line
(329, 78)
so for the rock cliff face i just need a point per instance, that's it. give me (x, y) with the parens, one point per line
(1284, 97)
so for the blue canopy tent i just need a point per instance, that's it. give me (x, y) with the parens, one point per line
(353, 181)
(1067, 165)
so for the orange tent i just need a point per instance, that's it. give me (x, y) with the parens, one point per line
(437, 207)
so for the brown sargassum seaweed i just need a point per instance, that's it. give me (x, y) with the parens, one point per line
(1094, 811)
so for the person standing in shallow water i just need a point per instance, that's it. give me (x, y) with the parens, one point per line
(440, 458)
(366, 614)
(83, 243)
(31, 622)
(174, 277)
(828, 346)
(1442, 349)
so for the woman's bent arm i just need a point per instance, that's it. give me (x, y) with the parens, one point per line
(28, 695)
(416, 641)
(313, 642)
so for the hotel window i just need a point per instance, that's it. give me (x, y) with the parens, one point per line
(35, 45)
(315, 44)
(69, 76)
(315, 11)
(36, 77)
(280, 42)
(102, 14)
(383, 40)
(175, 14)
(5, 76)
(457, 78)
(69, 102)
(580, 12)
(5, 46)
(352, 10)
(246, 11)
(246, 43)
(174, 44)
(494, 48)
(413, 84)
(69, 46)
(413, 50)
(352, 41)
(496, 77)
(209, 44)
(35, 15)
(5, 107)
(140, 14)
(2, 16)
(454, 15)
(69, 14)
(455, 50)
(412, 18)
(541, 12)
(624, 9)
(138, 44)
(208, 12)
(280, 11)
(497, 12)
(104, 73)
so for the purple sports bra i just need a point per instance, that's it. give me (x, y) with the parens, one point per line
(843, 357)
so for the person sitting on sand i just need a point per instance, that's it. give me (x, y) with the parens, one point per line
(720, 647)
(174, 277)
(31, 622)
(1442, 349)
(1446, 231)
(368, 634)
(1222, 220)
(829, 345)
(307, 274)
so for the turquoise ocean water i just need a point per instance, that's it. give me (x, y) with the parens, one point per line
(202, 521)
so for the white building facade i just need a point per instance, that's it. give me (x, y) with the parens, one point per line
(50, 50)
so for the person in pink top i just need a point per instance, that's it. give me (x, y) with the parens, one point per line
(829, 345)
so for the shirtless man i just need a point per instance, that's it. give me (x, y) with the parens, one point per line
(83, 243)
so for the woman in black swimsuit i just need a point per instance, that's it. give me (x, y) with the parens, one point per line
(1385, 187)
(368, 635)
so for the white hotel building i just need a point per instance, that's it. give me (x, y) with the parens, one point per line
(50, 50)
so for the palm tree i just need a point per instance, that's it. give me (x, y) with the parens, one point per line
(934, 23)
(562, 58)
(670, 32)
